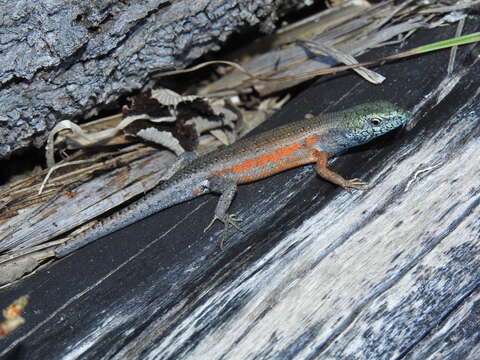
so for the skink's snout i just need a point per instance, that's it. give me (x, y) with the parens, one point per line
(394, 116)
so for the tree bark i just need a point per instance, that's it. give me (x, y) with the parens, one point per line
(62, 59)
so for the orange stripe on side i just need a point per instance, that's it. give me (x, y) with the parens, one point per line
(277, 155)
(263, 160)
(244, 166)
(311, 140)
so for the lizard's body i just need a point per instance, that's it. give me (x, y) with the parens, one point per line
(254, 158)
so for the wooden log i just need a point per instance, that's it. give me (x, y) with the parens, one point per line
(392, 272)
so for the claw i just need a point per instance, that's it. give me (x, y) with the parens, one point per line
(211, 223)
(234, 220)
(354, 184)
(228, 220)
(224, 237)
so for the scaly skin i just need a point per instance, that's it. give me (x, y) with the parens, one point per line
(254, 158)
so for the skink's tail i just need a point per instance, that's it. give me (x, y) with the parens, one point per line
(164, 196)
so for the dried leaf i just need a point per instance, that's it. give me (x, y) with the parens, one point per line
(12, 315)
(171, 98)
(163, 138)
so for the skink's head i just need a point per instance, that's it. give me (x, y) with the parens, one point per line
(368, 121)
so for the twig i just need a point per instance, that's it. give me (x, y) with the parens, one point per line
(126, 151)
(55, 167)
(418, 173)
(309, 74)
(207, 63)
(453, 52)
(445, 9)
(93, 138)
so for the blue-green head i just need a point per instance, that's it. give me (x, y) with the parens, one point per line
(365, 122)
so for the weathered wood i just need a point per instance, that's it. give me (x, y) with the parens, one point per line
(392, 272)
(63, 59)
(349, 37)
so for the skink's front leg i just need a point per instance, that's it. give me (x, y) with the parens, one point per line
(327, 174)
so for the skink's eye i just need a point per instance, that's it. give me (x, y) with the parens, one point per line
(375, 121)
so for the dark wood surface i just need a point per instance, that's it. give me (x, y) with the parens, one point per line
(389, 273)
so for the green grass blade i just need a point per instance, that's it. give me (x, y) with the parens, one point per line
(461, 40)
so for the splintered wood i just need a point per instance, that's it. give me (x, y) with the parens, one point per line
(340, 33)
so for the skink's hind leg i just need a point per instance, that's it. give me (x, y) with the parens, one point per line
(227, 190)
(181, 161)
(327, 174)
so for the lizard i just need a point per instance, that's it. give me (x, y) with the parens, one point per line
(308, 141)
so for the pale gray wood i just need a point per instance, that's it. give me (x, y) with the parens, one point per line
(32, 227)
(458, 337)
(25, 240)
